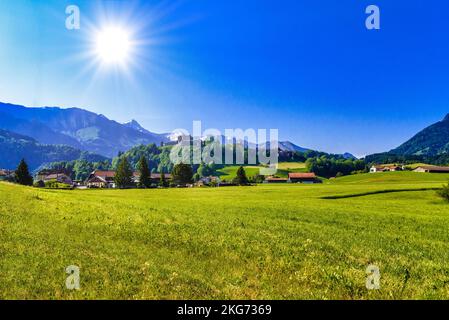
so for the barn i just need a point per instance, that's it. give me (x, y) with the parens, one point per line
(432, 169)
(275, 180)
(303, 178)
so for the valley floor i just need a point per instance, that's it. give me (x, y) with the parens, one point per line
(262, 242)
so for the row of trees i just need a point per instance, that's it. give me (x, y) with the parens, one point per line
(158, 160)
(124, 174)
(182, 174)
(330, 167)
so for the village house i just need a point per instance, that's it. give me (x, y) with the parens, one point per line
(303, 178)
(206, 181)
(58, 175)
(388, 168)
(432, 169)
(105, 179)
(156, 177)
(375, 169)
(275, 180)
(101, 179)
(6, 174)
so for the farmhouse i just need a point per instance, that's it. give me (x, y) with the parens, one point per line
(101, 179)
(375, 169)
(303, 178)
(105, 179)
(275, 180)
(203, 181)
(59, 175)
(432, 169)
(156, 177)
(6, 174)
(385, 168)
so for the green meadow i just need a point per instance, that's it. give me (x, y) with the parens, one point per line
(260, 242)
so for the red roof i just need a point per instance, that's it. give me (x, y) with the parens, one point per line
(104, 174)
(158, 176)
(111, 174)
(275, 179)
(310, 175)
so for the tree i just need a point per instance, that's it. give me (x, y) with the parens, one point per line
(144, 173)
(241, 178)
(124, 174)
(258, 178)
(23, 175)
(196, 177)
(182, 174)
(162, 181)
(204, 170)
(82, 169)
(212, 167)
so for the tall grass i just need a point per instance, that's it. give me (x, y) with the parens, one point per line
(263, 242)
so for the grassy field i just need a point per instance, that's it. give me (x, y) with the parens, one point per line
(293, 166)
(266, 241)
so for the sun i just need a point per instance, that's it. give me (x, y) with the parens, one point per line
(113, 45)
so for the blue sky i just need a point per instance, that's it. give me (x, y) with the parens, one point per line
(308, 68)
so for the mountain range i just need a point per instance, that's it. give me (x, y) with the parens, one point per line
(72, 131)
(77, 128)
(55, 134)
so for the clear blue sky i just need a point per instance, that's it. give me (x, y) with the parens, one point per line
(308, 68)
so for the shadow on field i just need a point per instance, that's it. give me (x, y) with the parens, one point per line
(362, 194)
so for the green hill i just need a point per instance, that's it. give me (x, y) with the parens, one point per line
(284, 168)
(431, 145)
(14, 147)
(432, 141)
(228, 173)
